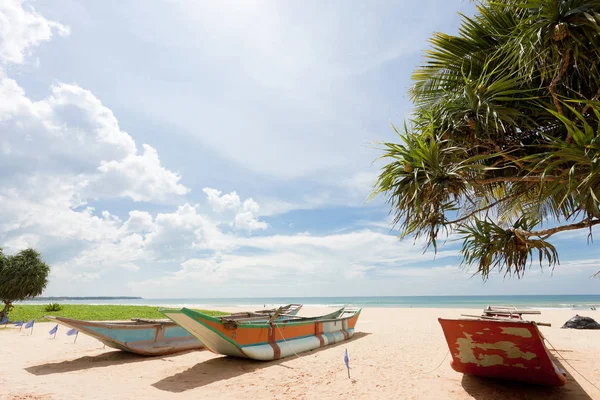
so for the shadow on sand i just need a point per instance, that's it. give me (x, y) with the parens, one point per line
(485, 388)
(102, 360)
(217, 369)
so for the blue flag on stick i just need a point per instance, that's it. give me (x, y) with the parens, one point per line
(347, 361)
(4, 321)
(72, 332)
(29, 324)
(20, 323)
(53, 330)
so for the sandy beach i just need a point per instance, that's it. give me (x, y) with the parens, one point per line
(396, 353)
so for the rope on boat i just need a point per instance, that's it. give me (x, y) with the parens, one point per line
(283, 337)
(569, 364)
(440, 364)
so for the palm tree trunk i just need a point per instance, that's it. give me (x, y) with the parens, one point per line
(7, 307)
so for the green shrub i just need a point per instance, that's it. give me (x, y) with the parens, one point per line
(53, 307)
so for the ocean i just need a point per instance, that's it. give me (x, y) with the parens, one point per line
(576, 302)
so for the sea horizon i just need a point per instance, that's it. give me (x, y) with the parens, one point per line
(579, 301)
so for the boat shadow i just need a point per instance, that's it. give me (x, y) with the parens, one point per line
(486, 388)
(222, 368)
(107, 359)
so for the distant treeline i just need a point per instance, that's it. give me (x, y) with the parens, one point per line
(88, 298)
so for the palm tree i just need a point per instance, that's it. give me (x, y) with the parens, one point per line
(505, 134)
(22, 276)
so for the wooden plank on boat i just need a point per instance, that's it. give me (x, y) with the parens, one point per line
(151, 321)
(508, 310)
(274, 316)
(502, 319)
(522, 312)
(247, 316)
(285, 309)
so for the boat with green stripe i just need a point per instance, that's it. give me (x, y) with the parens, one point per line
(274, 337)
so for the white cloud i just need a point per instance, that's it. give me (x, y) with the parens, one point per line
(142, 239)
(361, 183)
(139, 177)
(85, 277)
(374, 247)
(271, 206)
(250, 206)
(95, 123)
(425, 272)
(116, 253)
(311, 76)
(165, 238)
(21, 242)
(220, 202)
(205, 270)
(72, 132)
(580, 267)
(291, 259)
(357, 271)
(139, 221)
(246, 221)
(176, 233)
(21, 30)
(46, 205)
(61, 151)
(245, 218)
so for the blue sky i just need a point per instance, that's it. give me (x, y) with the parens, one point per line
(222, 149)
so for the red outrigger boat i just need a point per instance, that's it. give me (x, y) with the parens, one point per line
(501, 346)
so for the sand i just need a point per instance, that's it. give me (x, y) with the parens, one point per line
(395, 354)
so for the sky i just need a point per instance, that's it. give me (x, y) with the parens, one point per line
(178, 148)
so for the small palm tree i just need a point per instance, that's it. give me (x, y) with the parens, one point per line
(505, 134)
(23, 275)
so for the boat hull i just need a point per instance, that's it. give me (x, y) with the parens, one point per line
(286, 348)
(148, 339)
(261, 341)
(503, 349)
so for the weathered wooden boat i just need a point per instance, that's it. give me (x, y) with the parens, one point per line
(507, 312)
(139, 336)
(271, 338)
(502, 347)
(289, 309)
(150, 337)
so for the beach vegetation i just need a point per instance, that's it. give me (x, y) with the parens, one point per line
(502, 151)
(27, 312)
(22, 276)
(53, 307)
